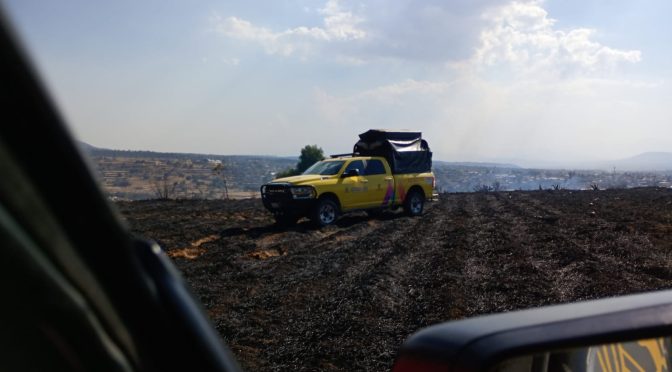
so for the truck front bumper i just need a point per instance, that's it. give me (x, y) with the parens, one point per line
(277, 199)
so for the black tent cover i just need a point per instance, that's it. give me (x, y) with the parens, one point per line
(406, 152)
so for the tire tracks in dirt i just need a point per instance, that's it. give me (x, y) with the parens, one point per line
(345, 297)
(498, 265)
(347, 282)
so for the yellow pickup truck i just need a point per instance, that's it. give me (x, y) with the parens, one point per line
(363, 180)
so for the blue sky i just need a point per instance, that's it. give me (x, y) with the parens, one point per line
(534, 82)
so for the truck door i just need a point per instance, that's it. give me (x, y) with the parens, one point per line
(379, 182)
(353, 190)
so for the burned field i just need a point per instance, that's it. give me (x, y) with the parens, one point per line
(346, 296)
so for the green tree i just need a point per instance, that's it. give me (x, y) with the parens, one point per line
(310, 155)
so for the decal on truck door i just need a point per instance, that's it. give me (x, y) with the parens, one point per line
(402, 193)
(389, 195)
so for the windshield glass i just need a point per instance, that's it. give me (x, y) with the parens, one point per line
(325, 168)
(548, 123)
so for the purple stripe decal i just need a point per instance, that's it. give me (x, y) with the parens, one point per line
(389, 194)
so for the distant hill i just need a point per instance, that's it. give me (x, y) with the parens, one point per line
(648, 161)
(86, 147)
(98, 151)
(131, 174)
(475, 164)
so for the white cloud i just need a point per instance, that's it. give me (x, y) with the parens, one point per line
(339, 25)
(483, 80)
(407, 30)
(528, 89)
(522, 36)
(517, 34)
(432, 31)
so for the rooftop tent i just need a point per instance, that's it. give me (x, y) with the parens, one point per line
(382, 134)
(406, 152)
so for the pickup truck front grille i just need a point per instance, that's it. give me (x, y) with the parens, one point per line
(276, 192)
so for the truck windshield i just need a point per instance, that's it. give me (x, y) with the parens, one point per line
(325, 168)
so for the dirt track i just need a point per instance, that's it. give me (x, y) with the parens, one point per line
(345, 297)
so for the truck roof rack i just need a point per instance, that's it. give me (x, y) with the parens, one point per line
(342, 155)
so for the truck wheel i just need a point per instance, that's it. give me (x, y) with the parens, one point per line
(414, 203)
(285, 220)
(325, 212)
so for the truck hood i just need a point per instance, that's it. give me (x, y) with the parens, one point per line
(302, 179)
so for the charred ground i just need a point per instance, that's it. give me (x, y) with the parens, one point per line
(345, 297)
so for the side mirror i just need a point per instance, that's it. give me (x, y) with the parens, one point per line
(652, 354)
(614, 334)
(350, 173)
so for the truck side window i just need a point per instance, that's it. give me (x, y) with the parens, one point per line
(375, 167)
(357, 164)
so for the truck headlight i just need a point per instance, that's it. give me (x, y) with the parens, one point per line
(303, 192)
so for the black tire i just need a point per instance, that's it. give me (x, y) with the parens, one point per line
(285, 220)
(414, 203)
(325, 212)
